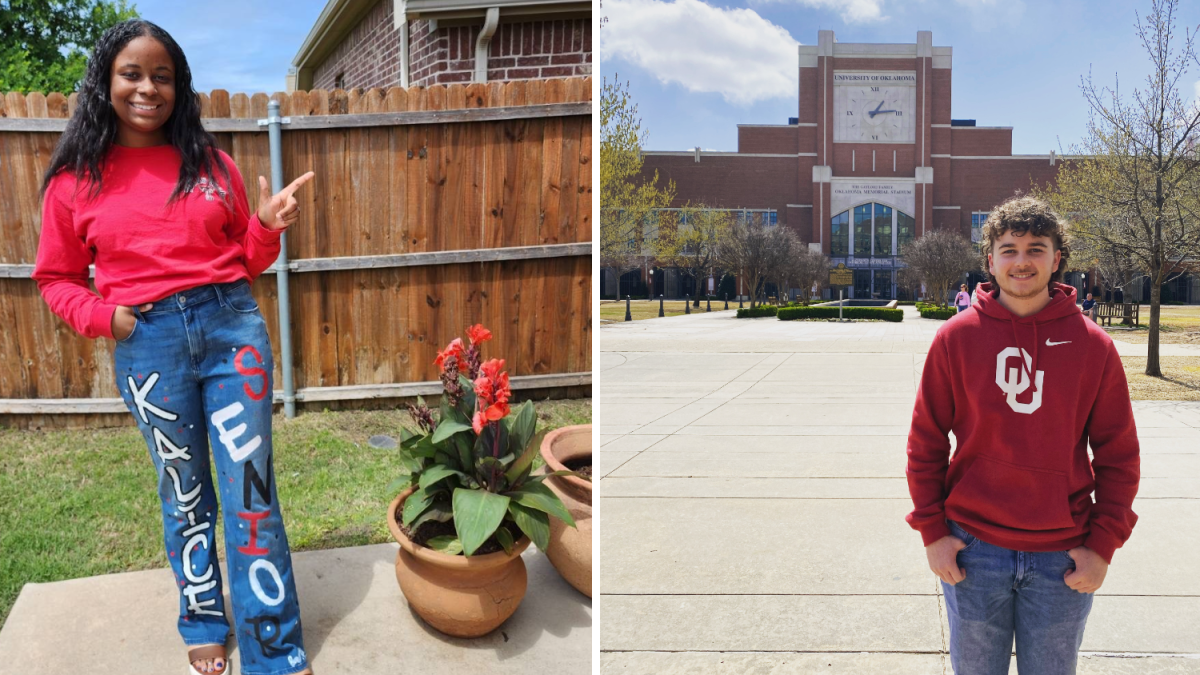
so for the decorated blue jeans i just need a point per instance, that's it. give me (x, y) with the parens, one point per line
(196, 369)
(1013, 593)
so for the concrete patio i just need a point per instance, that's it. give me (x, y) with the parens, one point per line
(753, 499)
(355, 621)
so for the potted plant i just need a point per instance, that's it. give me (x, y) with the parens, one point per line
(470, 502)
(564, 451)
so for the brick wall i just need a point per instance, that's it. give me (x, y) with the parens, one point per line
(368, 57)
(774, 140)
(518, 51)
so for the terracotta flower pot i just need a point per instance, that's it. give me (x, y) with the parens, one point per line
(570, 549)
(459, 596)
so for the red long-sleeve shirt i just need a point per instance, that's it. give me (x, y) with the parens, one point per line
(143, 248)
(1024, 398)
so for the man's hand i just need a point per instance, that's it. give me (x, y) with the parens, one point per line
(1090, 570)
(943, 559)
(123, 320)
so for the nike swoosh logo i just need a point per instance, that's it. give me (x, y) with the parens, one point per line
(1055, 344)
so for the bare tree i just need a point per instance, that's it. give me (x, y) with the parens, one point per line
(755, 252)
(803, 268)
(910, 280)
(940, 259)
(1134, 187)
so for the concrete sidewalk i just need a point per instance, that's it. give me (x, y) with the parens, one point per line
(355, 621)
(753, 498)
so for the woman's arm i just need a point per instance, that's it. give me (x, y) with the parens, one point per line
(61, 269)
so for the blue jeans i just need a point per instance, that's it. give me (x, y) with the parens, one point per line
(1009, 593)
(198, 367)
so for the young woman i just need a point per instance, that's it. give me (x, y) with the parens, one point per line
(139, 188)
(963, 299)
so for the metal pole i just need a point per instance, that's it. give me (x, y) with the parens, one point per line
(660, 305)
(687, 304)
(274, 134)
(628, 316)
(708, 303)
(839, 305)
(726, 301)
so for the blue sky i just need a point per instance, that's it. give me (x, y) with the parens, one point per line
(237, 45)
(697, 69)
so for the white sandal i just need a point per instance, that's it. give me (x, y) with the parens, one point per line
(203, 652)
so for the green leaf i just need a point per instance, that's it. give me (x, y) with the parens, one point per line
(534, 523)
(415, 505)
(477, 514)
(505, 538)
(526, 459)
(445, 544)
(448, 428)
(423, 447)
(435, 473)
(462, 443)
(439, 511)
(521, 424)
(406, 435)
(399, 484)
(538, 496)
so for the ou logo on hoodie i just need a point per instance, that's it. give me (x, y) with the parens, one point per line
(1014, 381)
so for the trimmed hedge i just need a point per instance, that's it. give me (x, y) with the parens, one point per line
(880, 313)
(935, 313)
(761, 310)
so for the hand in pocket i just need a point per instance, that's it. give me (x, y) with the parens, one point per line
(124, 320)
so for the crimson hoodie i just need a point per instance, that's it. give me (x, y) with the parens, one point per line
(144, 248)
(1024, 397)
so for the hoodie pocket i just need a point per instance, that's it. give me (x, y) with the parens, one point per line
(1011, 496)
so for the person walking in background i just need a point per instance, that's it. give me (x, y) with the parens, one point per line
(963, 299)
(1009, 525)
(1089, 308)
(138, 187)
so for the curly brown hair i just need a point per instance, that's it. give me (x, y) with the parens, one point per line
(1025, 215)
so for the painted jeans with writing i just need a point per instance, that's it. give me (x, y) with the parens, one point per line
(198, 366)
(1009, 594)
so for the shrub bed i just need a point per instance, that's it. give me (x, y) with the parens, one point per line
(937, 313)
(879, 313)
(761, 310)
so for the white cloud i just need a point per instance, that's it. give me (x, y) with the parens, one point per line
(732, 52)
(851, 11)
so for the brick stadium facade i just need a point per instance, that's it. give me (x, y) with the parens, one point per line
(872, 161)
(385, 43)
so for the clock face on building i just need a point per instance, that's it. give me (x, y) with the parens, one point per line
(868, 109)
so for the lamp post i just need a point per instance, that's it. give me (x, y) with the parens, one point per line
(660, 305)
(628, 316)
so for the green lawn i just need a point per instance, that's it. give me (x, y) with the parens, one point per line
(80, 503)
(1179, 324)
(613, 310)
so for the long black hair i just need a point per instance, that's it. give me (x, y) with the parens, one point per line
(93, 128)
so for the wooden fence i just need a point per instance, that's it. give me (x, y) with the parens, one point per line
(432, 209)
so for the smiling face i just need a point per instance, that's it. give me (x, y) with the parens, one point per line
(1022, 264)
(142, 92)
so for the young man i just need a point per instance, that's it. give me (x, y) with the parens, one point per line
(1025, 382)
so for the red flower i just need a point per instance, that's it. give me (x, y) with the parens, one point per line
(492, 391)
(478, 334)
(454, 349)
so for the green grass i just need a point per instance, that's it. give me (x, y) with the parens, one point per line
(613, 310)
(80, 503)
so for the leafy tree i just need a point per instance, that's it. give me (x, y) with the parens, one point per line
(805, 268)
(692, 241)
(940, 258)
(1133, 188)
(629, 203)
(46, 42)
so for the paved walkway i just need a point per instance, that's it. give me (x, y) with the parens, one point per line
(753, 499)
(355, 621)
